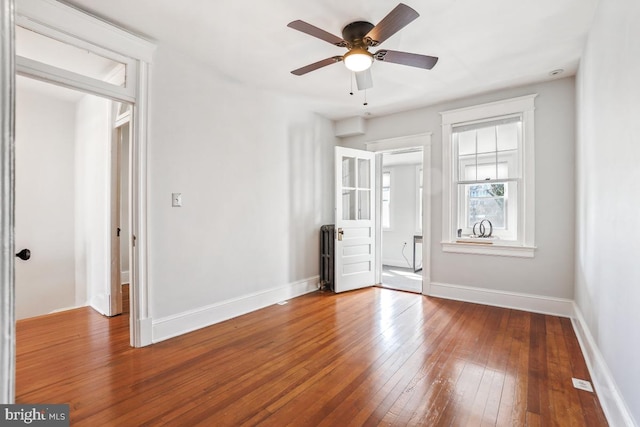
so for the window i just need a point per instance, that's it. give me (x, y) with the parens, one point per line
(488, 178)
(386, 200)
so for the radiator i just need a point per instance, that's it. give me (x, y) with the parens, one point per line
(327, 255)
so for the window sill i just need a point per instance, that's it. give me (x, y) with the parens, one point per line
(497, 249)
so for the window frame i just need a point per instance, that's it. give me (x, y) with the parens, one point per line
(524, 245)
(513, 161)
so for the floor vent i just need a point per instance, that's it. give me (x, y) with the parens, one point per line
(582, 384)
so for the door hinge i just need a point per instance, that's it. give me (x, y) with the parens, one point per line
(133, 238)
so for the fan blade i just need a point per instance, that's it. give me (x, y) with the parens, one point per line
(316, 65)
(396, 20)
(317, 32)
(405, 58)
(364, 80)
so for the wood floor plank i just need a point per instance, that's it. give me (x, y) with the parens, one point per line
(369, 357)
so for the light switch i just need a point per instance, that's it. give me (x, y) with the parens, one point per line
(176, 200)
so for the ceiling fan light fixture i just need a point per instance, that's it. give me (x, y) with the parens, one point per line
(358, 59)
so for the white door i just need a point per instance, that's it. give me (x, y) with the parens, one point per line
(355, 219)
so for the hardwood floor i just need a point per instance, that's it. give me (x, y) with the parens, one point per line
(369, 357)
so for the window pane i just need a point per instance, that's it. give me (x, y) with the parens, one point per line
(487, 208)
(486, 140)
(364, 205)
(38, 47)
(508, 136)
(364, 173)
(386, 199)
(486, 201)
(348, 204)
(466, 143)
(508, 164)
(467, 168)
(487, 171)
(348, 172)
(386, 179)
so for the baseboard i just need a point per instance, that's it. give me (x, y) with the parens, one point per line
(519, 301)
(611, 400)
(396, 263)
(124, 277)
(60, 310)
(178, 324)
(99, 302)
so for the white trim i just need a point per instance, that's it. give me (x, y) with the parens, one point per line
(393, 144)
(426, 217)
(60, 310)
(66, 38)
(67, 22)
(514, 300)
(526, 213)
(43, 71)
(188, 321)
(98, 302)
(490, 109)
(417, 192)
(613, 405)
(48, 73)
(78, 23)
(489, 249)
(124, 277)
(7, 203)
(140, 322)
(423, 141)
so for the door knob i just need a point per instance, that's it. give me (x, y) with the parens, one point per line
(340, 234)
(24, 254)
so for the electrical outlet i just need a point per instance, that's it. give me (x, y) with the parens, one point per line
(582, 384)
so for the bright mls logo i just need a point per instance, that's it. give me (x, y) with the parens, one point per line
(34, 415)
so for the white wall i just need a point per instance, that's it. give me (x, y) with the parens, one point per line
(44, 203)
(255, 175)
(608, 204)
(551, 272)
(404, 223)
(92, 203)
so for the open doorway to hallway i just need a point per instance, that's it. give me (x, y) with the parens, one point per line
(63, 209)
(402, 220)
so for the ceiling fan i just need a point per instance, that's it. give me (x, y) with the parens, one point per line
(358, 37)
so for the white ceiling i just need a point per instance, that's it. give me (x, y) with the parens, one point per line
(482, 45)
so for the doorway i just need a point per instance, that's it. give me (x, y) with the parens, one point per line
(62, 211)
(121, 239)
(401, 219)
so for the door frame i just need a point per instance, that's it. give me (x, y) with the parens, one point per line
(422, 141)
(117, 167)
(73, 26)
(7, 297)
